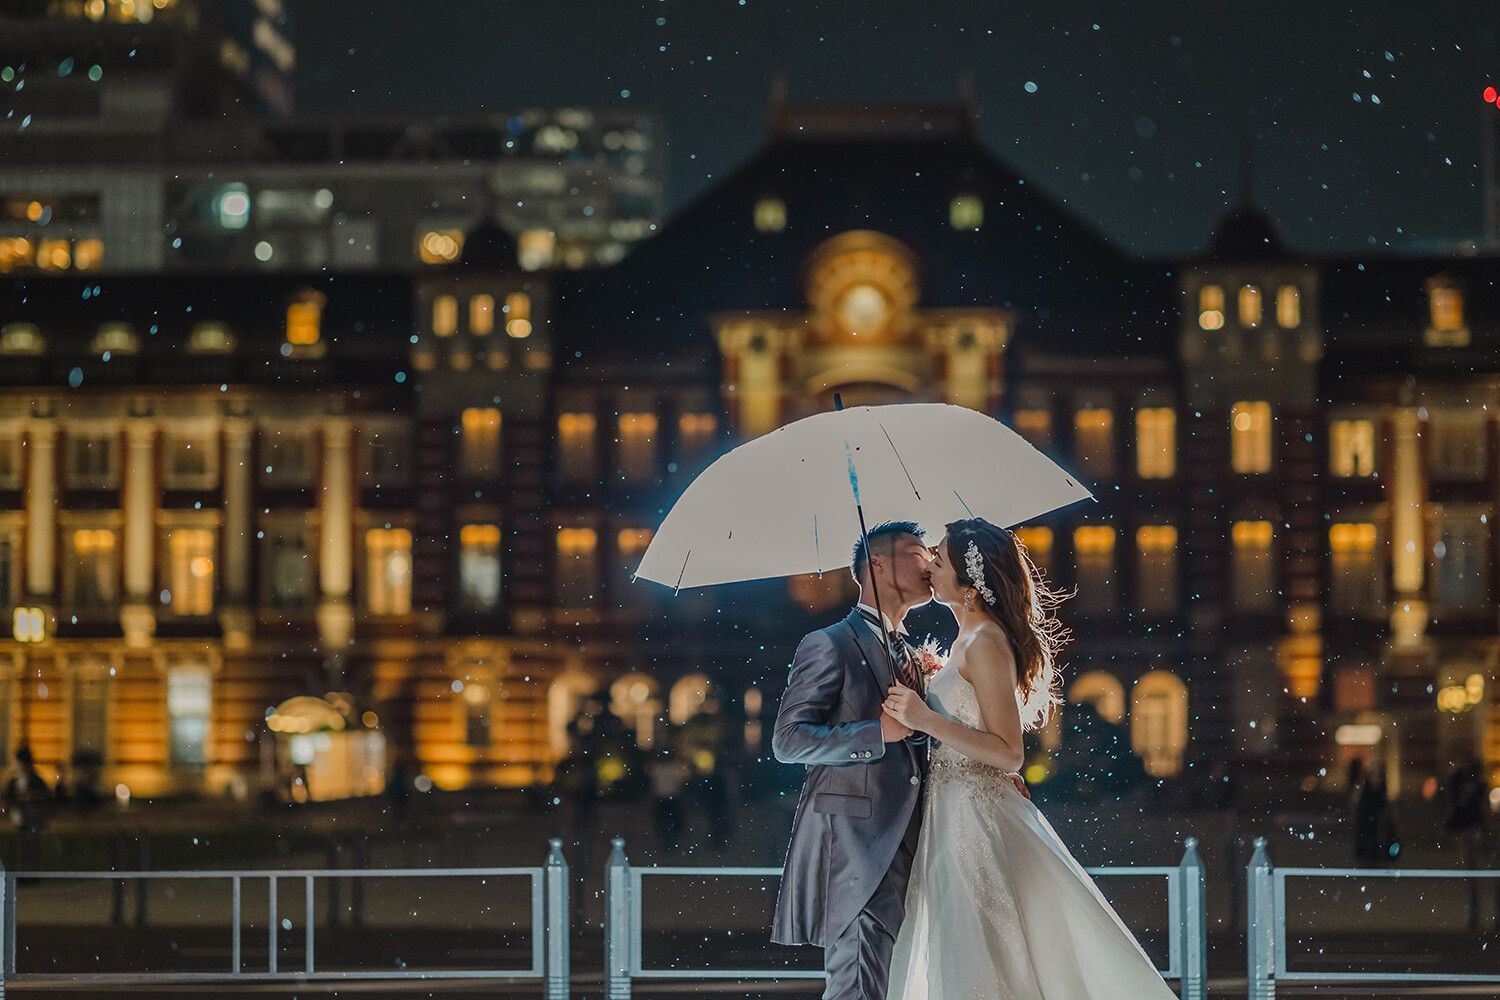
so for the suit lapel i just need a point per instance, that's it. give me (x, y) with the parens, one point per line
(871, 647)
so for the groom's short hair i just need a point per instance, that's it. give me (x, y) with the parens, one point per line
(887, 529)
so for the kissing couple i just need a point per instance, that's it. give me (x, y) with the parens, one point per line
(917, 859)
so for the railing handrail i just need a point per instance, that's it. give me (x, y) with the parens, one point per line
(1266, 946)
(549, 924)
(623, 959)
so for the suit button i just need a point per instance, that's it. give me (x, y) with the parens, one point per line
(916, 780)
(854, 755)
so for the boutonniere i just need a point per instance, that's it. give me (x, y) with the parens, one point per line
(930, 657)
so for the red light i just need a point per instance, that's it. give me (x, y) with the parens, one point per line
(1490, 95)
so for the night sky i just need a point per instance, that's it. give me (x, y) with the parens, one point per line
(1364, 122)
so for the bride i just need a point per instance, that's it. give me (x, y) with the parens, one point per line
(997, 907)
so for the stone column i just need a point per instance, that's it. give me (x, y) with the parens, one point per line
(236, 546)
(335, 556)
(41, 511)
(137, 613)
(1409, 611)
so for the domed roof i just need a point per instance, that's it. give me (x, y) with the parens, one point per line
(1247, 234)
(489, 245)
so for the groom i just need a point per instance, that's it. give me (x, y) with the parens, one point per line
(844, 886)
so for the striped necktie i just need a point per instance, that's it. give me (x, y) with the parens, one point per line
(906, 670)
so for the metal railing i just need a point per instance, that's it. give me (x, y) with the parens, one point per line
(1266, 937)
(623, 959)
(549, 928)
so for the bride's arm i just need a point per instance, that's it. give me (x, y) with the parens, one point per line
(991, 669)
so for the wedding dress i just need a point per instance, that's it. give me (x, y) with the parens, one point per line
(997, 908)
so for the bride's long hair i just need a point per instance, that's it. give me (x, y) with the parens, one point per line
(1023, 607)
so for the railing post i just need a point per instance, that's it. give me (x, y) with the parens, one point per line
(556, 910)
(1260, 926)
(617, 929)
(1194, 929)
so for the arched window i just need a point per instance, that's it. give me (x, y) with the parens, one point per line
(1104, 691)
(635, 700)
(687, 698)
(1158, 722)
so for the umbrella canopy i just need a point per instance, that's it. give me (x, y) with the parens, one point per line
(785, 503)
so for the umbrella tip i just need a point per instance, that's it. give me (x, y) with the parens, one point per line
(838, 401)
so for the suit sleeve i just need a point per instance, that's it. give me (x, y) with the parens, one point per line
(803, 734)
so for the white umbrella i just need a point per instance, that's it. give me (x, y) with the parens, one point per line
(790, 502)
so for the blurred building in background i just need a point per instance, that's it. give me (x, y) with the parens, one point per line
(270, 517)
(140, 142)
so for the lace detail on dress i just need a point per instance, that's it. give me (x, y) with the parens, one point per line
(954, 697)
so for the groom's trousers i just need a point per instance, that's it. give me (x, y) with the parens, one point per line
(858, 962)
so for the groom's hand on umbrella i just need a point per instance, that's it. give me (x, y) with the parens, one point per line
(892, 731)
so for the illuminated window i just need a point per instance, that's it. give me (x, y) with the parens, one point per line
(966, 211)
(189, 707)
(1460, 557)
(482, 315)
(1037, 541)
(1156, 442)
(536, 248)
(1094, 567)
(1035, 426)
(637, 445)
(696, 431)
(440, 246)
(54, 255)
(770, 215)
(93, 459)
(1253, 584)
(16, 252)
(1156, 568)
(1288, 307)
(190, 571)
(1250, 437)
(1458, 447)
(444, 315)
(1351, 447)
(687, 698)
(518, 315)
(93, 570)
(577, 566)
(1356, 584)
(478, 722)
(1103, 690)
(576, 436)
(21, 338)
(630, 545)
(1211, 307)
(479, 566)
(304, 320)
(232, 206)
(1445, 307)
(88, 254)
(388, 584)
(90, 714)
(481, 441)
(189, 461)
(211, 338)
(1158, 722)
(1093, 441)
(1250, 306)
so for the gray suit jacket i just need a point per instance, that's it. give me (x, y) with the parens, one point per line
(860, 792)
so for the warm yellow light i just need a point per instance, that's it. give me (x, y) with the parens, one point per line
(576, 541)
(520, 329)
(29, 625)
(1033, 425)
(1156, 538)
(54, 255)
(1156, 442)
(1474, 688)
(1346, 538)
(34, 211)
(89, 541)
(1037, 541)
(633, 541)
(1251, 534)
(440, 246)
(304, 320)
(518, 305)
(1446, 303)
(966, 211)
(1093, 539)
(1250, 306)
(1453, 698)
(1211, 307)
(482, 315)
(1288, 306)
(1359, 735)
(88, 254)
(479, 536)
(444, 315)
(770, 215)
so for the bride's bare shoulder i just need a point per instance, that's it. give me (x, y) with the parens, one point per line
(987, 648)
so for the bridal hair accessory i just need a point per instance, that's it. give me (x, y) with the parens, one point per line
(974, 563)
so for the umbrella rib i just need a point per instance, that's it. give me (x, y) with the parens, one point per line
(961, 500)
(685, 558)
(817, 550)
(901, 460)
